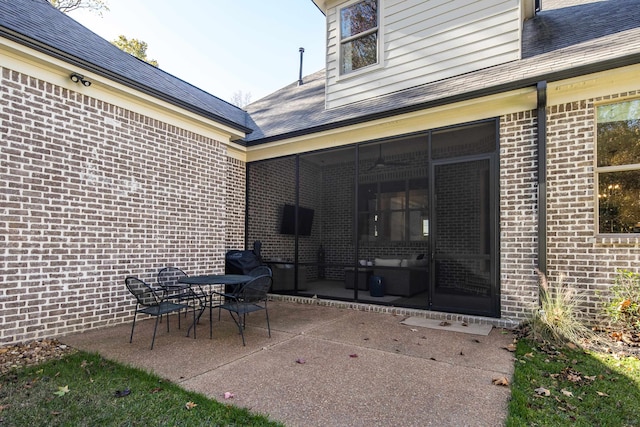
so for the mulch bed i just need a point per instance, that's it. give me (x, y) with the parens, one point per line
(616, 341)
(31, 353)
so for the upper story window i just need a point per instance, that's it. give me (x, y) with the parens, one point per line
(618, 167)
(358, 35)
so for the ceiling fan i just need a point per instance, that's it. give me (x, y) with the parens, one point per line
(381, 162)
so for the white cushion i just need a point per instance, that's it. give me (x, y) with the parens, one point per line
(383, 262)
(418, 262)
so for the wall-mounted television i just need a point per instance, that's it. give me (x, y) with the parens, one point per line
(305, 220)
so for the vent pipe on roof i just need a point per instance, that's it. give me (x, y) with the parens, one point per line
(300, 74)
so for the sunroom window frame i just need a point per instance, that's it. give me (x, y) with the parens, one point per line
(599, 170)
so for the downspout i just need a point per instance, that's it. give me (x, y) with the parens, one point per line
(542, 176)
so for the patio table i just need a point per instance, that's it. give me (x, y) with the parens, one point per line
(209, 280)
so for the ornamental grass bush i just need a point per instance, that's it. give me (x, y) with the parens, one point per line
(558, 320)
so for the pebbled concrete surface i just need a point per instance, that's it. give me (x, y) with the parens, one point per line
(326, 366)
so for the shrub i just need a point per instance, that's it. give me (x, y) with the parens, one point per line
(558, 320)
(624, 306)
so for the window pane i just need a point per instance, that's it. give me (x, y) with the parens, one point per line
(359, 53)
(392, 201)
(359, 17)
(418, 226)
(619, 202)
(418, 199)
(397, 226)
(368, 226)
(618, 134)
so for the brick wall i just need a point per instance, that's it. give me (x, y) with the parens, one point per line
(236, 200)
(271, 185)
(577, 256)
(92, 193)
(518, 214)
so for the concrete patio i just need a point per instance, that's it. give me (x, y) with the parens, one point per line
(359, 368)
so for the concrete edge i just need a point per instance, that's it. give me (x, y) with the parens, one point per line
(399, 311)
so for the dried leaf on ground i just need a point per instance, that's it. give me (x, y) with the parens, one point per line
(566, 392)
(190, 405)
(541, 391)
(501, 381)
(601, 394)
(511, 347)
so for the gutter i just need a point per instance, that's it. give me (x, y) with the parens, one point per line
(75, 61)
(542, 176)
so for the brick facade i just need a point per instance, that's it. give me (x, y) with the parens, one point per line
(91, 193)
(577, 256)
(518, 214)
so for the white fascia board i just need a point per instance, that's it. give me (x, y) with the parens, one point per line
(39, 65)
(524, 99)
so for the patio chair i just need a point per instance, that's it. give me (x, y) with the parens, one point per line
(168, 279)
(263, 270)
(152, 302)
(248, 298)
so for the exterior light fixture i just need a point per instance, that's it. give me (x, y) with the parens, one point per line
(79, 78)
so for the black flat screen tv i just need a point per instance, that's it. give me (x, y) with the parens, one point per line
(305, 220)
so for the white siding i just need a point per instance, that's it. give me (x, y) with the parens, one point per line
(424, 41)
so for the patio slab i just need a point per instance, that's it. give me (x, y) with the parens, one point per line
(359, 368)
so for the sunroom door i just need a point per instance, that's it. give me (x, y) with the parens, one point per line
(464, 273)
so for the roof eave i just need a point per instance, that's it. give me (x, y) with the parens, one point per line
(61, 55)
(487, 91)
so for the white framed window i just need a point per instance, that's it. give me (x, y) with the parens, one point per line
(618, 167)
(359, 36)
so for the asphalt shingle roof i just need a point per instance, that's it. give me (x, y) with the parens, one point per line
(567, 38)
(40, 25)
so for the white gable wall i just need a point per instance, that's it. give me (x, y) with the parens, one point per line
(425, 41)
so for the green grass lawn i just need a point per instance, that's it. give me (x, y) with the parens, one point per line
(549, 388)
(573, 387)
(81, 390)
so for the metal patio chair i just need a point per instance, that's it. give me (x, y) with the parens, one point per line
(262, 270)
(248, 298)
(152, 302)
(168, 279)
